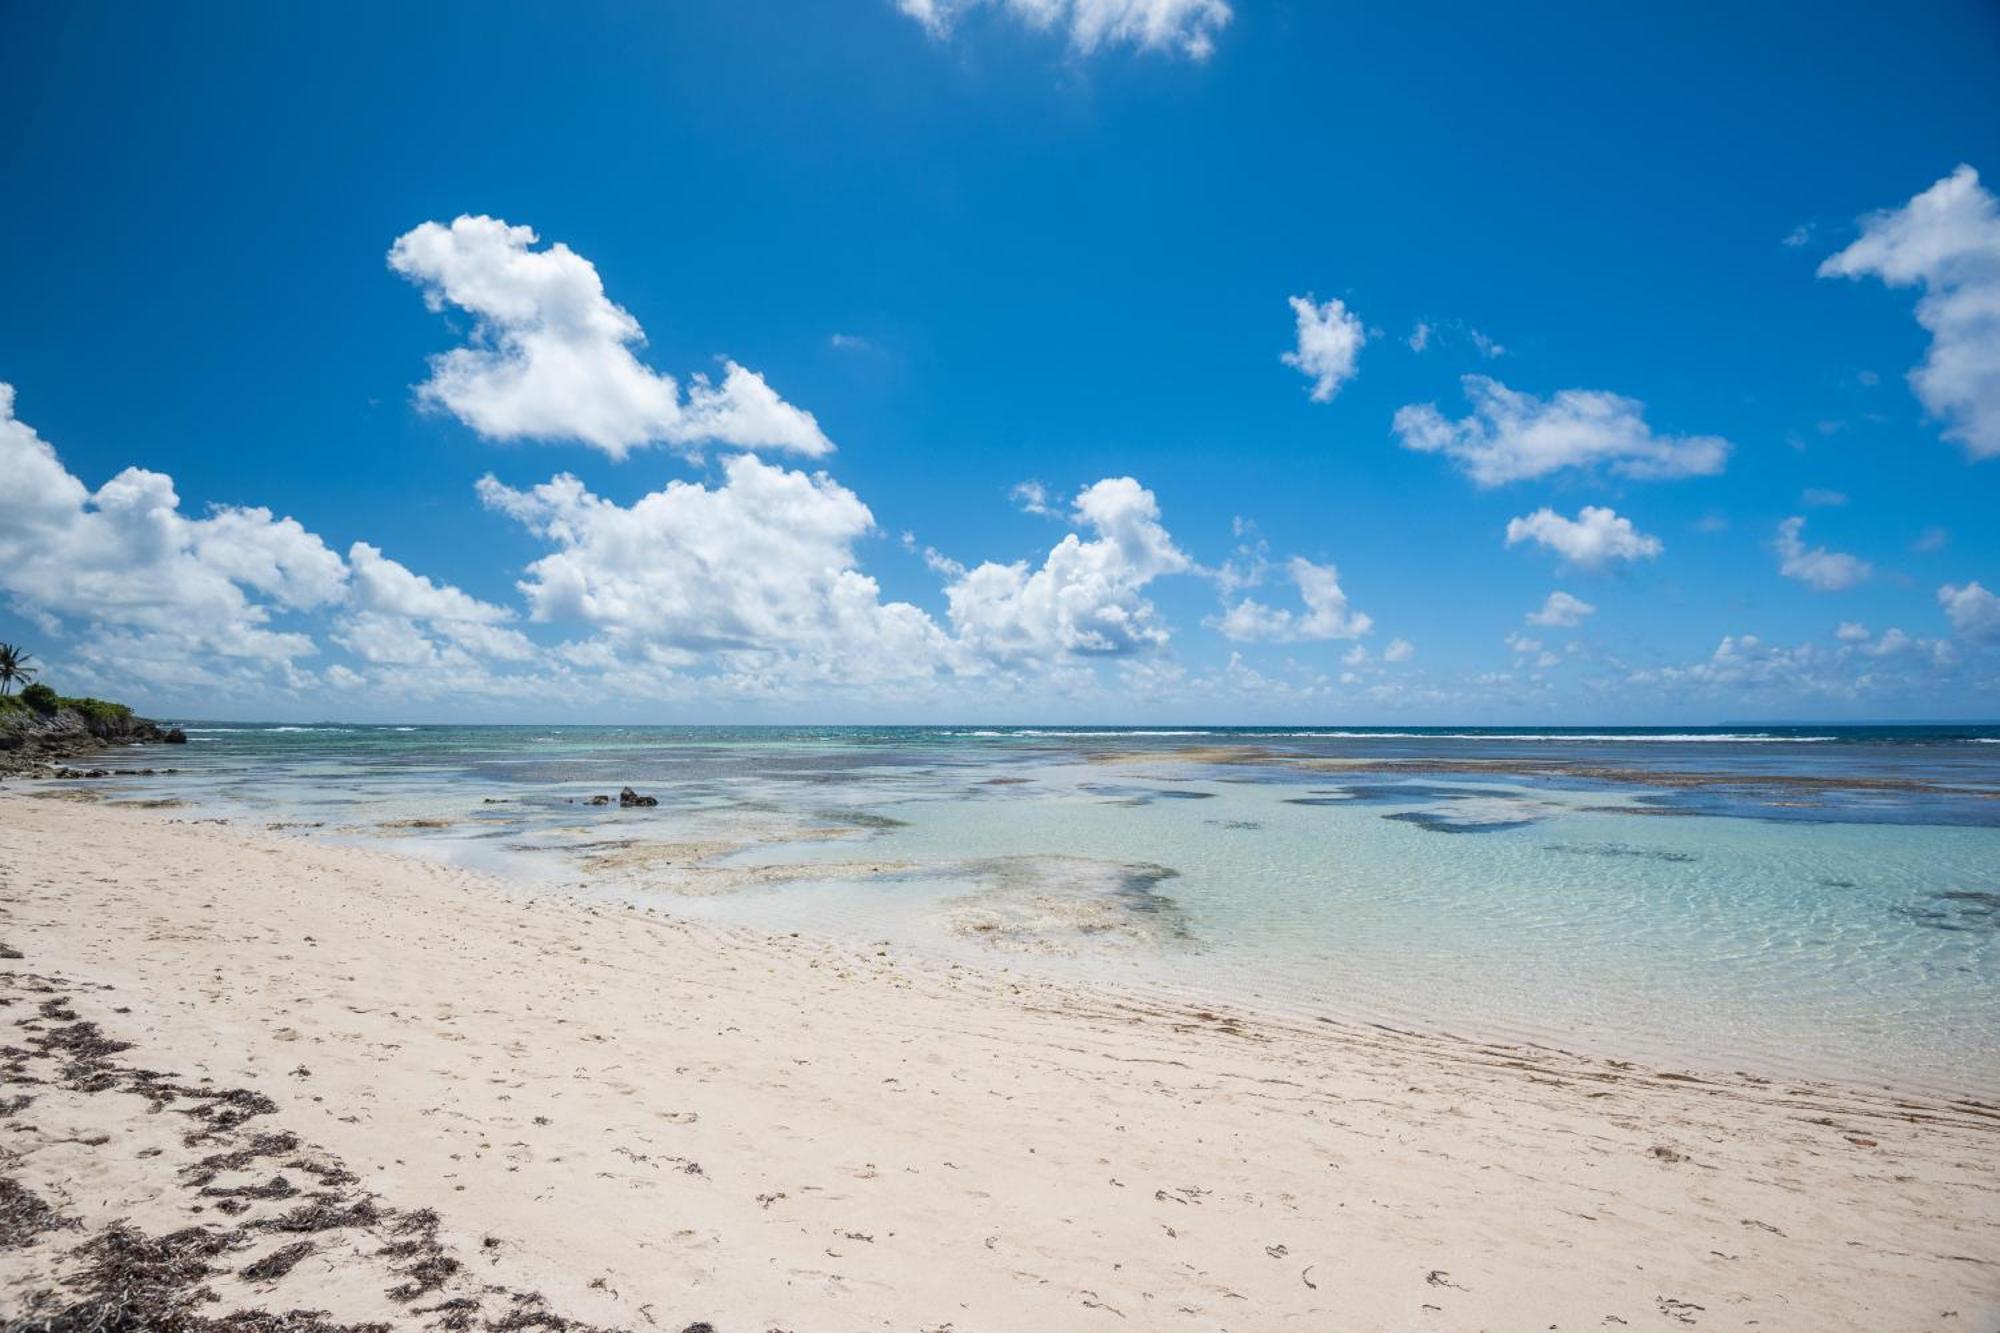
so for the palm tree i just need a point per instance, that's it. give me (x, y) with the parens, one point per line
(14, 668)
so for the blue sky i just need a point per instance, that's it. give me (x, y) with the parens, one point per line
(1691, 255)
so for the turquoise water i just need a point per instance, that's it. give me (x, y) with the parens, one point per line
(1787, 900)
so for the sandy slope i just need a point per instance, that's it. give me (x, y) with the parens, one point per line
(656, 1124)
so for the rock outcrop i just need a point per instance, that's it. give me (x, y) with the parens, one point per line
(32, 741)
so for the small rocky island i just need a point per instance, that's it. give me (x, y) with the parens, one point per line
(40, 728)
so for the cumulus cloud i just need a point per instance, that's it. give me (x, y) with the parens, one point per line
(1511, 436)
(1329, 340)
(1185, 26)
(1972, 610)
(758, 574)
(1087, 596)
(1946, 241)
(161, 588)
(551, 356)
(1594, 538)
(1326, 614)
(390, 599)
(1561, 611)
(1399, 650)
(200, 604)
(1817, 567)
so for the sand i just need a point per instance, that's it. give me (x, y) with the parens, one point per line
(552, 1110)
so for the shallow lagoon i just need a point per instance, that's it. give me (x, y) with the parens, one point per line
(1703, 898)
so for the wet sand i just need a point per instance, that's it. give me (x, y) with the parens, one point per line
(474, 1106)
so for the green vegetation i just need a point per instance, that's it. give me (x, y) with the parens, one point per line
(98, 710)
(36, 697)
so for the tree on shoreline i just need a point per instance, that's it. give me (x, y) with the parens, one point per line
(14, 668)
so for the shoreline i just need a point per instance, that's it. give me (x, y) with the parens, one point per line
(1062, 974)
(895, 1098)
(686, 877)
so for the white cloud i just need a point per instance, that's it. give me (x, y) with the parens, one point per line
(385, 640)
(758, 574)
(1420, 337)
(1034, 498)
(1561, 611)
(1743, 667)
(1591, 540)
(164, 590)
(1186, 26)
(1522, 644)
(390, 599)
(1329, 340)
(194, 605)
(1973, 611)
(1823, 499)
(1946, 240)
(1087, 596)
(1852, 632)
(1828, 571)
(1893, 641)
(1511, 436)
(551, 357)
(1399, 650)
(1326, 614)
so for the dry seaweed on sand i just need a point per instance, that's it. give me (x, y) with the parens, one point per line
(530, 1311)
(291, 1321)
(133, 1281)
(208, 1168)
(453, 1316)
(428, 1267)
(25, 1215)
(325, 1214)
(277, 1263)
(277, 1187)
(119, 1276)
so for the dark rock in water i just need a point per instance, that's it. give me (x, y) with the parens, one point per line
(175, 736)
(629, 798)
(600, 800)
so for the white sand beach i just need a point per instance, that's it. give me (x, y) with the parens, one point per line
(628, 1121)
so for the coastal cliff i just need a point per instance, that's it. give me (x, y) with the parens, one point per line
(33, 738)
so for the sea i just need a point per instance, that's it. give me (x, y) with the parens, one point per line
(1806, 902)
